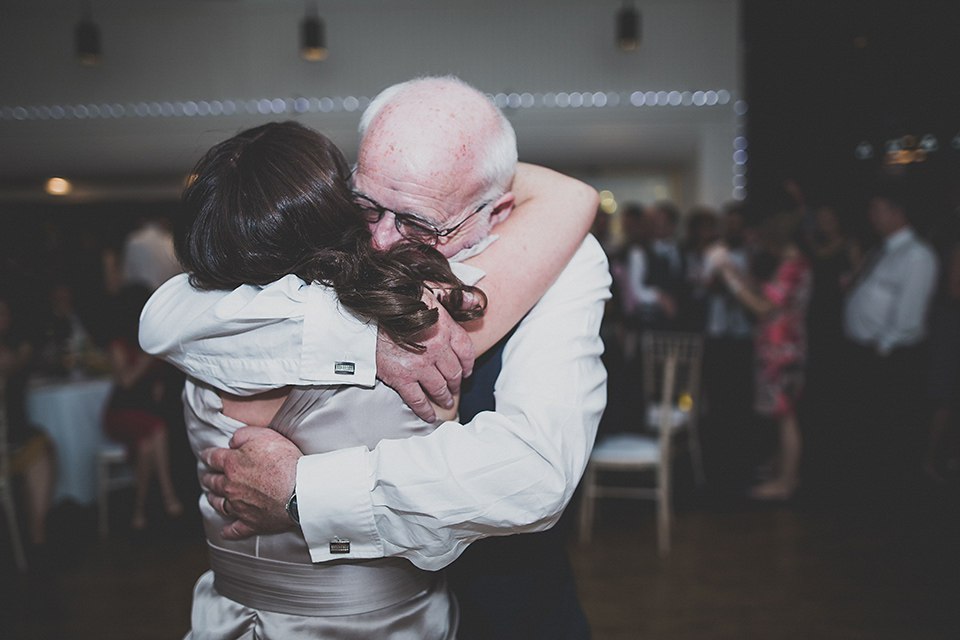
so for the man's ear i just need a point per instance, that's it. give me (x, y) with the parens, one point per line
(502, 208)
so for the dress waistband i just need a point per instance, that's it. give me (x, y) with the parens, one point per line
(315, 589)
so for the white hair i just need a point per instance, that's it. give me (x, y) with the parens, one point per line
(499, 152)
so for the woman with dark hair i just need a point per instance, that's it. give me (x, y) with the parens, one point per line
(780, 303)
(134, 416)
(272, 206)
(251, 216)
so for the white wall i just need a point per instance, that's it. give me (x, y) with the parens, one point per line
(248, 50)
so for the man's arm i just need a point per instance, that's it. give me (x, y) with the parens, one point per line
(505, 472)
(910, 310)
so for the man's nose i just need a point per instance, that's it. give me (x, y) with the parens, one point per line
(385, 233)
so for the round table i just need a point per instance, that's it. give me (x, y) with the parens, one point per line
(71, 411)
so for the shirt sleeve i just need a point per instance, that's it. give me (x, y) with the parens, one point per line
(240, 341)
(637, 272)
(509, 471)
(910, 312)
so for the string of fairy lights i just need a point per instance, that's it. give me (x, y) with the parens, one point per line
(277, 106)
(347, 104)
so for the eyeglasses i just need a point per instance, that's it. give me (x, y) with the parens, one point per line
(409, 226)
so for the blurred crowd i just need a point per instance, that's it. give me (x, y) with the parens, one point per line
(69, 325)
(831, 333)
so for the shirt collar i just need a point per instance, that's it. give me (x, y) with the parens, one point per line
(469, 274)
(469, 252)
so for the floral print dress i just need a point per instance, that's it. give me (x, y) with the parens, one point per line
(781, 339)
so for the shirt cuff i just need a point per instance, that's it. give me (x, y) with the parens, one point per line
(336, 512)
(338, 347)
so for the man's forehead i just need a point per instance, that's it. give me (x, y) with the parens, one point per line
(436, 195)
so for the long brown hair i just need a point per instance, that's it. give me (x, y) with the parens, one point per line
(274, 200)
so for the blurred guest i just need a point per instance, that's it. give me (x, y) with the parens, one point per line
(65, 338)
(665, 267)
(148, 255)
(134, 412)
(728, 358)
(642, 301)
(31, 449)
(835, 255)
(702, 232)
(885, 319)
(780, 303)
(945, 354)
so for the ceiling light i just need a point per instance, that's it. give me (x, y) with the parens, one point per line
(628, 27)
(58, 187)
(87, 39)
(313, 42)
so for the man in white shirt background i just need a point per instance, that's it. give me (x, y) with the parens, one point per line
(148, 255)
(885, 320)
(508, 471)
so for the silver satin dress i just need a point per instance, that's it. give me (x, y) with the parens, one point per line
(266, 586)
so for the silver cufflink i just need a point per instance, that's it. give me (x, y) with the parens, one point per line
(339, 546)
(344, 368)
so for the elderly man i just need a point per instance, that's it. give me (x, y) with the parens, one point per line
(428, 169)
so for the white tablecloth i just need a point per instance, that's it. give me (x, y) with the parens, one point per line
(72, 413)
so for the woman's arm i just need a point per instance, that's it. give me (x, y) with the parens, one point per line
(736, 282)
(552, 216)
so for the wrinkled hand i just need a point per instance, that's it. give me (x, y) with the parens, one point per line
(435, 372)
(257, 475)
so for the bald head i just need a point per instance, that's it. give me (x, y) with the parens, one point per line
(443, 119)
(436, 148)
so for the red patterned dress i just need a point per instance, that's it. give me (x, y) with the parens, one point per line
(781, 345)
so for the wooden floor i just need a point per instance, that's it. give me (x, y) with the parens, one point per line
(826, 566)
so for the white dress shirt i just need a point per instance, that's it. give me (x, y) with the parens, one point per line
(149, 257)
(887, 307)
(641, 293)
(302, 335)
(427, 498)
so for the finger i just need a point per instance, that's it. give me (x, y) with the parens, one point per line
(215, 458)
(218, 503)
(245, 434)
(435, 386)
(237, 530)
(215, 483)
(462, 347)
(449, 367)
(413, 395)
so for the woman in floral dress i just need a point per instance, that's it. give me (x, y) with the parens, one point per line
(780, 302)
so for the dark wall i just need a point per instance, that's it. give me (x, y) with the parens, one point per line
(822, 77)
